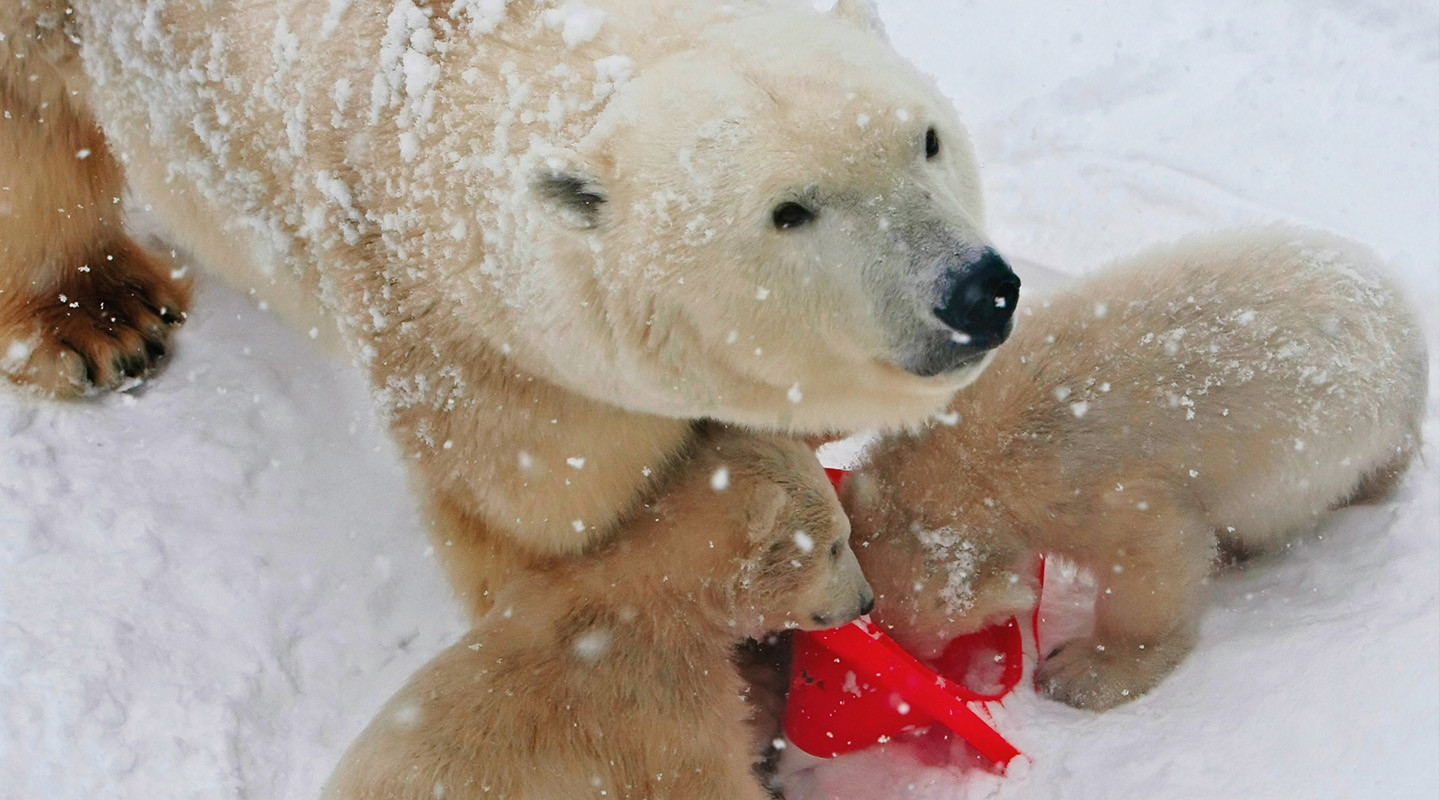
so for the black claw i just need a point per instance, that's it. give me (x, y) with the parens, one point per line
(131, 365)
(154, 349)
(146, 303)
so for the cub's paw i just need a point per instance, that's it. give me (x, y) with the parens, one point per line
(1098, 675)
(103, 326)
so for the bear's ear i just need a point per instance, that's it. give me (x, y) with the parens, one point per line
(762, 513)
(862, 13)
(575, 196)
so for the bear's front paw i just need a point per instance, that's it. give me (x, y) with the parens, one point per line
(1098, 675)
(104, 325)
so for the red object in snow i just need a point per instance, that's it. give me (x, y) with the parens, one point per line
(854, 686)
(836, 476)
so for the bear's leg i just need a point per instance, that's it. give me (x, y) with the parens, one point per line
(82, 306)
(1151, 561)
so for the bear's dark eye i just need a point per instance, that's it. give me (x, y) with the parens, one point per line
(575, 195)
(932, 143)
(835, 549)
(791, 215)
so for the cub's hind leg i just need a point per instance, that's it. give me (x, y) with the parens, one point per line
(83, 307)
(1380, 483)
(1151, 560)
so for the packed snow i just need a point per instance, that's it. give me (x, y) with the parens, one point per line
(208, 585)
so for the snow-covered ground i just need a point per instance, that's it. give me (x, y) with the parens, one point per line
(207, 586)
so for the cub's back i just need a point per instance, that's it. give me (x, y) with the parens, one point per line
(1272, 362)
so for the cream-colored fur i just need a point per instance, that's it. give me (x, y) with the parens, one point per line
(612, 676)
(1225, 391)
(545, 228)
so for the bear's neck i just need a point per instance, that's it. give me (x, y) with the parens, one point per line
(533, 460)
(518, 470)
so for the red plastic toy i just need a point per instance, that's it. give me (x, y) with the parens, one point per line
(854, 686)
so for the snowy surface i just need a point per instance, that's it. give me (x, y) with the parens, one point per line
(208, 586)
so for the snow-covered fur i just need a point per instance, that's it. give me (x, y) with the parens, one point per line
(549, 230)
(612, 676)
(1222, 392)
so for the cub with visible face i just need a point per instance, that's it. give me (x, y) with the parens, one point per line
(612, 676)
(1217, 395)
(556, 234)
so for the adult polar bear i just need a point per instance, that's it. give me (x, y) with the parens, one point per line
(555, 234)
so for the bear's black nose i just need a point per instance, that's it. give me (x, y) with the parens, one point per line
(980, 300)
(867, 605)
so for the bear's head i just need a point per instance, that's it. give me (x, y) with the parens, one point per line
(747, 539)
(786, 560)
(779, 226)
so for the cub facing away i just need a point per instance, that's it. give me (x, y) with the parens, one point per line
(1219, 395)
(612, 676)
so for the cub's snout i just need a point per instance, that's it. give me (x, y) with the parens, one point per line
(846, 595)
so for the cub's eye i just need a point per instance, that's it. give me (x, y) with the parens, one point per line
(835, 549)
(932, 143)
(791, 215)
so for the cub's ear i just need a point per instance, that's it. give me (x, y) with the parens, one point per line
(576, 197)
(862, 13)
(762, 512)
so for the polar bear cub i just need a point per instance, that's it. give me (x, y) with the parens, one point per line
(612, 676)
(1218, 395)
